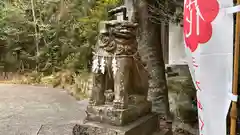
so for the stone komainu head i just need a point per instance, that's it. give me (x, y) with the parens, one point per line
(118, 38)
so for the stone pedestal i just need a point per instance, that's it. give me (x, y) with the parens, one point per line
(146, 125)
(118, 117)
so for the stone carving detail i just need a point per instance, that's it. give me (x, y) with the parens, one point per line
(122, 97)
(109, 95)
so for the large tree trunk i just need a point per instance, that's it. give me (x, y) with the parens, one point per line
(151, 52)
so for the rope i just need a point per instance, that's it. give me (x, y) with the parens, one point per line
(116, 56)
(133, 56)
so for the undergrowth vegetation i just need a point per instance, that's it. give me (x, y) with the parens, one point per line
(49, 41)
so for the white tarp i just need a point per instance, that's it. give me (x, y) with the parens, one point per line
(208, 36)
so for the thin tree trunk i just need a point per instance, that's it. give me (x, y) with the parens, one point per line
(36, 32)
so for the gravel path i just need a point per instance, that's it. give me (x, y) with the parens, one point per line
(25, 109)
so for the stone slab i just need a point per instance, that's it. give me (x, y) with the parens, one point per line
(56, 129)
(118, 117)
(146, 125)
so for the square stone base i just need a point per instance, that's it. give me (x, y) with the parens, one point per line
(146, 125)
(118, 117)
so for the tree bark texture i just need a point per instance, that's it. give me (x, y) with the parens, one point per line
(150, 49)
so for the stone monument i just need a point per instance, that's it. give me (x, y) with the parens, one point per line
(118, 101)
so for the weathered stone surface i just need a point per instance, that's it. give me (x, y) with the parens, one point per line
(146, 125)
(56, 129)
(182, 70)
(118, 117)
(119, 42)
(119, 94)
(181, 95)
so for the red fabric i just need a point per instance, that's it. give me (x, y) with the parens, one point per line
(208, 10)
